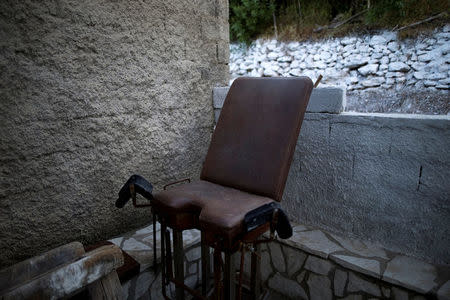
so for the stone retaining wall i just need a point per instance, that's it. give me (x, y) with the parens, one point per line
(358, 62)
(380, 72)
(378, 177)
(324, 265)
(295, 274)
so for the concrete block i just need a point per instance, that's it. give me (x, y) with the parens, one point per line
(355, 173)
(323, 100)
(219, 95)
(216, 114)
(329, 100)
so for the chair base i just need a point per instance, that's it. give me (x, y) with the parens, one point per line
(227, 286)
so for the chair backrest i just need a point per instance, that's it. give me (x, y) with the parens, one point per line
(255, 137)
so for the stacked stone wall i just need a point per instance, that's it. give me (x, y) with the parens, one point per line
(291, 273)
(387, 70)
(91, 93)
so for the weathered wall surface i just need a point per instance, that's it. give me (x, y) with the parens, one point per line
(92, 92)
(378, 177)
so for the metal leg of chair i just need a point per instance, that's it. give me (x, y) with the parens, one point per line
(218, 287)
(163, 259)
(155, 262)
(206, 268)
(229, 282)
(255, 277)
(178, 258)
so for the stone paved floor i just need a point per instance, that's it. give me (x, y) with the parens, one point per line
(309, 261)
(372, 260)
(139, 245)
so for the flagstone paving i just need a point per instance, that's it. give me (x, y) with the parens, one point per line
(312, 264)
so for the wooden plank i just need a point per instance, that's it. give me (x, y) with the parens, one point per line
(21, 272)
(442, 14)
(68, 278)
(112, 287)
(106, 288)
(95, 290)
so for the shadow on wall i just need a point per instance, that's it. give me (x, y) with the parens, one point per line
(92, 93)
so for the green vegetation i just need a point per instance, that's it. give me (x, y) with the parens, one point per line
(248, 17)
(302, 19)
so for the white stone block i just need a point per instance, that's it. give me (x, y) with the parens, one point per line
(330, 100)
(377, 40)
(398, 67)
(340, 279)
(219, 95)
(318, 265)
(409, 272)
(444, 291)
(287, 287)
(372, 82)
(368, 69)
(366, 266)
(277, 257)
(294, 259)
(357, 284)
(319, 287)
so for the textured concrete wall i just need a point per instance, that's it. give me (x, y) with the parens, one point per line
(92, 92)
(378, 177)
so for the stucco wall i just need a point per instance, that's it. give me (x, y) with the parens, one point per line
(377, 177)
(92, 92)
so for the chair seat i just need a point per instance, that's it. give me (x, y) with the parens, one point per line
(216, 209)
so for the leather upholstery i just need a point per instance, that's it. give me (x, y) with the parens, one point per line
(217, 208)
(248, 160)
(254, 140)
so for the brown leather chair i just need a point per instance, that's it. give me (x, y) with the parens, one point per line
(246, 167)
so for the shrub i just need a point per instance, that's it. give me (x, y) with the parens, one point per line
(298, 19)
(385, 12)
(248, 18)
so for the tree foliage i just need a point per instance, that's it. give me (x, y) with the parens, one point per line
(251, 18)
(248, 18)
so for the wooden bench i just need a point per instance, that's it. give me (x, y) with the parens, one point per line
(64, 272)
